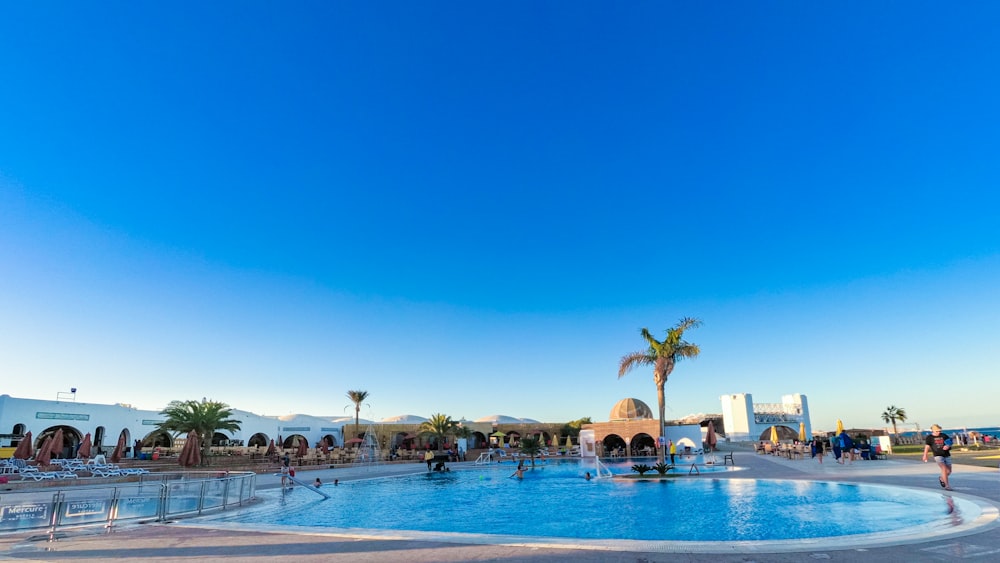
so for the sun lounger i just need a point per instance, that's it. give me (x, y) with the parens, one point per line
(105, 471)
(38, 475)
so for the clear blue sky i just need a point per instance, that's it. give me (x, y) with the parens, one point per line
(473, 209)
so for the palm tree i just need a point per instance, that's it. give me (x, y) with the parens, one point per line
(530, 446)
(662, 356)
(892, 414)
(357, 397)
(204, 417)
(438, 426)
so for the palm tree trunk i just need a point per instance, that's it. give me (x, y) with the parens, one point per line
(895, 433)
(663, 428)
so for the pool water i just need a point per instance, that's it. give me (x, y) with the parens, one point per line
(555, 501)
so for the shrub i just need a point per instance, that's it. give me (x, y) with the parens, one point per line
(662, 468)
(641, 469)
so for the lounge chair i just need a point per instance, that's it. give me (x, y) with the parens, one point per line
(37, 475)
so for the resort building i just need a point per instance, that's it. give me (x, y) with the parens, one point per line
(632, 430)
(746, 421)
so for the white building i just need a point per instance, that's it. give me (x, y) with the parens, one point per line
(105, 423)
(748, 421)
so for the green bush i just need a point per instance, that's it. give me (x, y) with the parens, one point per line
(662, 468)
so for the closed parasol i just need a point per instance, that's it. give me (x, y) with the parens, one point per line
(303, 448)
(23, 450)
(802, 431)
(44, 454)
(191, 452)
(119, 450)
(83, 452)
(774, 434)
(710, 437)
(56, 448)
(840, 427)
(270, 449)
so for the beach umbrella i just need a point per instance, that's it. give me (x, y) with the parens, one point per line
(303, 448)
(116, 455)
(270, 449)
(499, 436)
(840, 427)
(23, 450)
(322, 445)
(55, 449)
(191, 452)
(774, 434)
(710, 438)
(802, 431)
(44, 454)
(83, 451)
(569, 442)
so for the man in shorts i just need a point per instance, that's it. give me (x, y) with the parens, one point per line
(939, 443)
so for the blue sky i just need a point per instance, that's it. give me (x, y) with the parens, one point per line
(473, 209)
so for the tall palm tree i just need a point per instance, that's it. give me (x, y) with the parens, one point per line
(662, 356)
(357, 397)
(892, 414)
(204, 417)
(530, 446)
(438, 426)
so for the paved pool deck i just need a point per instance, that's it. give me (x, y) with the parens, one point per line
(197, 540)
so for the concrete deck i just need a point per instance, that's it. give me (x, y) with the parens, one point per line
(192, 539)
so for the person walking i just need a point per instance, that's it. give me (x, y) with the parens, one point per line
(673, 451)
(818, 446)
(939, 444)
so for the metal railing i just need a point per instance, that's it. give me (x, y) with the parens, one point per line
(154, 497)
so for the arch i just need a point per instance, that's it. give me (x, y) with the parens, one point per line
(642, 444)
(19, 429)
(330, 440)
(98, 437)
(784, 433)
(259, 440)
(155, 439)
(71, 439)
(293, 441)
(613, 444)
(478, 440)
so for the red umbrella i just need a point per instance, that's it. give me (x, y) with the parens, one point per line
(44, 454)
(23, 450)
(116, 455)
(355, 441)
(323, 447)
(270, 449)
(85, 446)
(303, 448)
(710, 438)
(191, 452)
(57, 443)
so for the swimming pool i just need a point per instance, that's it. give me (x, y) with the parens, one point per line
(556, 502)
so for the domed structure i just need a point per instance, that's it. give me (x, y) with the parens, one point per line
(630, 409)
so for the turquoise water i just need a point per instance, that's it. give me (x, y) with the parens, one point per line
(555, 501)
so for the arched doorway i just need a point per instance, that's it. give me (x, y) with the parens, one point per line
(614, 445)
(258, 440)
(643, 445)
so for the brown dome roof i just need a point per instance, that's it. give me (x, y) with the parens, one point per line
(631, 409)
